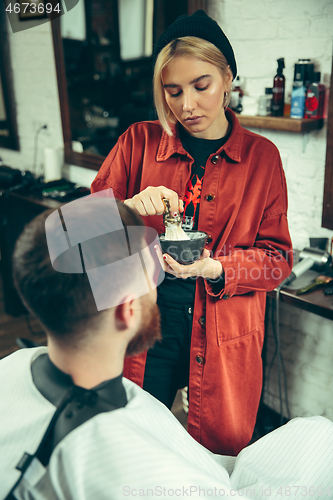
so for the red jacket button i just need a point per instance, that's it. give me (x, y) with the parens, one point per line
(210, 197)
(215, 159)
(226, 296)
(202, 320)
(200, 360)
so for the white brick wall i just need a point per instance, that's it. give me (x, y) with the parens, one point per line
(260, 31)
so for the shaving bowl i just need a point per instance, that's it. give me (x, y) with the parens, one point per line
(185, 251)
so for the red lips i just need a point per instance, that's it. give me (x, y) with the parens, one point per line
(193, 120)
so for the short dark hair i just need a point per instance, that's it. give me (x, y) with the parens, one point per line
(64, 302)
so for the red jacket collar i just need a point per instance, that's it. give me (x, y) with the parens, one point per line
(170, 145)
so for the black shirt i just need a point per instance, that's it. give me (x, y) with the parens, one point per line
(179, 289)
(200, 150)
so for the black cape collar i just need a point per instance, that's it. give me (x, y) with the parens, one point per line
(54, 384)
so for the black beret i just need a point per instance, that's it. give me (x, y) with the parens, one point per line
(201, 26)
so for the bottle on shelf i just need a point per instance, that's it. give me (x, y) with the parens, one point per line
(303, 75)
(315, 98)
(265, 102)
(309, 70)
(287, 103)
(236, 96)
(278, 89)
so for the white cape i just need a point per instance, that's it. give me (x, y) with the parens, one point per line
(141, 450)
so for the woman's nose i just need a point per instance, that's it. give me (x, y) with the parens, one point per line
(188, 101)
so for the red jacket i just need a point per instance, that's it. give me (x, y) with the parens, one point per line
(247, 222)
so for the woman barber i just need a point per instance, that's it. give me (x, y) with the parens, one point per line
(228, 182)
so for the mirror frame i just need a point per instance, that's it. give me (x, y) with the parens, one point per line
(11, 141)
(86, 160)
(327, 220)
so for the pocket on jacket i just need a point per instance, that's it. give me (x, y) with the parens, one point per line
(239, 317)
(236, 340)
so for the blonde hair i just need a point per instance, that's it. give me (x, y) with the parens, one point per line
(186, 46)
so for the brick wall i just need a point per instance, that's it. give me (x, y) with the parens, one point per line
(260, 31)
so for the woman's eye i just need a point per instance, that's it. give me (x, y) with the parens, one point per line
(202, 88)
(176, 95)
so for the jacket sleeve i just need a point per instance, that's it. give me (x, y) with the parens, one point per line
(269, 261)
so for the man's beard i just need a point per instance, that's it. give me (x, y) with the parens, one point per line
(148, 333)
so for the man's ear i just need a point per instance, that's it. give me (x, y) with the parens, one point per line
(126, 313)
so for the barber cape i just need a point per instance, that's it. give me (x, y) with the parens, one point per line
(141, 450)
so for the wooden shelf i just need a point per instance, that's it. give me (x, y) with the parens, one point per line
(315, 302)
(280, 123)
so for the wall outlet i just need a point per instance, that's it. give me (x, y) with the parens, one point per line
(37, 124)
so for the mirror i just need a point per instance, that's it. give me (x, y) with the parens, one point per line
(327, 220)
(103, 52)
(8, 128)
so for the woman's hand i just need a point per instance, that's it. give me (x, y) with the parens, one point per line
(149, 201)
(205, 267)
